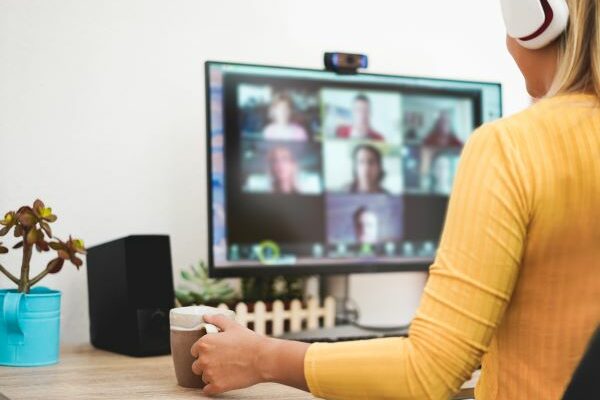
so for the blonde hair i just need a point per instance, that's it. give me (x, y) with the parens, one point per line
(579, 50)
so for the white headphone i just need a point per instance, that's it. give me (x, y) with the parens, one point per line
(535, 23)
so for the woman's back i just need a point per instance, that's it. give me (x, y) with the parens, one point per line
(555, 305)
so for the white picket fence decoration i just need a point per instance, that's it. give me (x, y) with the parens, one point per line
(296, 315)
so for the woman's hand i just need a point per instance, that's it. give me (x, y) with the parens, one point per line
(237, 358)
(230, 359)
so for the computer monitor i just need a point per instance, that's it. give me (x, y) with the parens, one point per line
(311, 172)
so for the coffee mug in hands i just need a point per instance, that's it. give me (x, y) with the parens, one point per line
(187, 326)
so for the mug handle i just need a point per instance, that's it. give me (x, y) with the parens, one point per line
(210, 328)
(10, 312)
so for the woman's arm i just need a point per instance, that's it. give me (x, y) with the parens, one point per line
(469, 286)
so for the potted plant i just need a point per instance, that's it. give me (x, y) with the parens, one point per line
(30, 316)
(198, 288)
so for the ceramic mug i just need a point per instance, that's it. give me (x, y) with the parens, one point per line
(187, 326)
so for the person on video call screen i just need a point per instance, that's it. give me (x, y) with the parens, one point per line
(366, 226)
(281, 126)
(283, 168)
(442, 135)
(368, 173)
(361, 122)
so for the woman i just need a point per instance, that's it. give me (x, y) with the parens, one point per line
(515, 285)
(283, 168)
(282, 127)
(367, 170)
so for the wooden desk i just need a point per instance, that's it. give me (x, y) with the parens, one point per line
(88, 373)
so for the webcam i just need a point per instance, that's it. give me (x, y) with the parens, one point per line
(345, 63)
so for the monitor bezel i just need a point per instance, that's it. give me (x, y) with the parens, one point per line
(410, 265)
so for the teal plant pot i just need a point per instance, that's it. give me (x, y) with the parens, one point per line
(29, 327)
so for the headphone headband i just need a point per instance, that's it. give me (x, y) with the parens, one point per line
(535, 23)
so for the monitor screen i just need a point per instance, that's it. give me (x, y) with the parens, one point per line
(315, 172)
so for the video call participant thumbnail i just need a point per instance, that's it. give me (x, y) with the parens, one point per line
(367, 170)
(281, 168)
(359, 219)
(277, 112)
(361, 122)
(362, 167)
(366, 226)
(361, 114)
(442, 133)
(281, 126)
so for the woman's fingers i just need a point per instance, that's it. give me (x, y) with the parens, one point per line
(220, 321)
(205, 378)
(199, 347)
(212, 388)
(197, 367)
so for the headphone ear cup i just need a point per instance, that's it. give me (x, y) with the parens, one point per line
(535, 23)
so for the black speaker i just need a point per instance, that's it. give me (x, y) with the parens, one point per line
(130, 290)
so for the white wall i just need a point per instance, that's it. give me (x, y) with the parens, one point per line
(102, 102)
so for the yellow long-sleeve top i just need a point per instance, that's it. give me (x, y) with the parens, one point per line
(516, 281)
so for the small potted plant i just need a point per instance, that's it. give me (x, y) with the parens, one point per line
(198, 288)
(30, 316)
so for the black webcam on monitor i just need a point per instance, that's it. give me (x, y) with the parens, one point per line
(345, 63)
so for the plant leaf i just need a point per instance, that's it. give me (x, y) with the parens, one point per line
(63, 254)
(38, 205)
(32, 236)
(18, 231)
(26, 217)
(18, 245)
(185, 275)
(56, 246)
(41, 245)
(46, 227)
(3, 250)
(78, 262)
(55, 265)
(4, 230)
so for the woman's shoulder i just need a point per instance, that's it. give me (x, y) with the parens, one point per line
(544, 122)
(547, 114)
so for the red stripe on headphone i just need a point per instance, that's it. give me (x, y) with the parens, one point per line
(549, 14)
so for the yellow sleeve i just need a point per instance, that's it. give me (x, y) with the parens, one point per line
(469, 286)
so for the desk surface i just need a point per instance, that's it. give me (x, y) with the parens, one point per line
(87, 373)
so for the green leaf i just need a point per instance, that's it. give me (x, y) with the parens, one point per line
(186, 275)
(184, 297)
